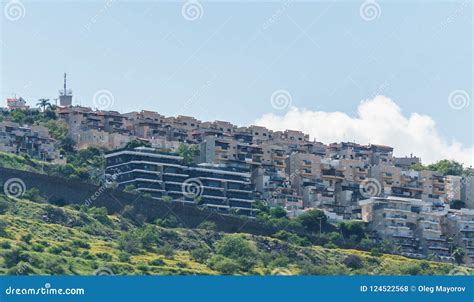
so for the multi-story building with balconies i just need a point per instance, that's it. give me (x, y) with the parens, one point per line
(461, 228)
(34, 141)
(163, 174)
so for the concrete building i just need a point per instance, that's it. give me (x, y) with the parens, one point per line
(461, 227)
(165, 174)
(406, 162)
(33, 141)
(17, 103)
(414, 226)
(467, 191)
(453, 187)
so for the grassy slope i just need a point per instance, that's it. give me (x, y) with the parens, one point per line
(51, 249)
(13, 161)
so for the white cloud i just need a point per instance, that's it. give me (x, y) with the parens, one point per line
(378, 121)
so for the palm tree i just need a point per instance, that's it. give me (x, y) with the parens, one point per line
(43, 103)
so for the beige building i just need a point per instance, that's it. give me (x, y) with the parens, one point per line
(461, 227)
(396, 219)
(453, 187)
(34, 141)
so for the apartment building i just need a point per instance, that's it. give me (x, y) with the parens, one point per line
(144, 124)
(304, 170)
(370, 154)
(453, 187)
(461, 227)
(266, 179)
(406, 162)
(397, 220)
(467, 191)
(162, 174)
(432, 231)
(433, 186)
(98, 138)
(34, 141)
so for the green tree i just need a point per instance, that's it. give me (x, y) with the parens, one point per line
(224, 265)
(237, 247)
(278, 212)
(314, 221)
(188, 152)
(130, 188)
(447, 167)
(458, 255)
(43, 104)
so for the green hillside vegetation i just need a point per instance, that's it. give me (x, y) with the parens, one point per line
(84, 165)
(43, 239)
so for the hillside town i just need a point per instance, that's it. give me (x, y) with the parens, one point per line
(422, 212)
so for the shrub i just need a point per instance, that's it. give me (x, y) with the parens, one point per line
(366, 243)
(88, 256)
(224, 265)
(166, 250)
(200, 254)
(101, 215)
(157, 262)
(3, 228)
(104, 256)
(148, 237)
(21, 269)
(26, 238)
(130, 242)
(207, 225)
(330, 245)
(54, 267)
(5, 245)
(14, 256)
(37, 247)
(314, 220)
(236, 247)
(353, 261)
(410, 269)
(81, 244)
(168, 222)
(32, 194)
(281, 261)
(291, 238)
(3, 206)
(376, 252)
(124, 257)
(55, 249)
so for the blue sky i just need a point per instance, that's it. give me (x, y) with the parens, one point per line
(226, 64)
